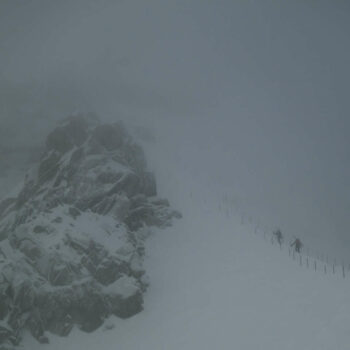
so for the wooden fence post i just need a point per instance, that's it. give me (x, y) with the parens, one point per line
(315, 265)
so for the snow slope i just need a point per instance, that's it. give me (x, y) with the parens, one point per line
(216, 284)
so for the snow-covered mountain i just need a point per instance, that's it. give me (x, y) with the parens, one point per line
(72, 235)
(216, 284)
(213, 280)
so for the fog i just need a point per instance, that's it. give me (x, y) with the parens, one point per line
(250, 96)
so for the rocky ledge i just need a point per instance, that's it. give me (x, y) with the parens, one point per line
(72, 238)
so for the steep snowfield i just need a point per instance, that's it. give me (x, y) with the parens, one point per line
(214, 284)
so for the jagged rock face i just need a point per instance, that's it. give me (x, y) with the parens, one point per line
(72, 240)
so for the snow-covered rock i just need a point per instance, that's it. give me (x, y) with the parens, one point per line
(72, 239)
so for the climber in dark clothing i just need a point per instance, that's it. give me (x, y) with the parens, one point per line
(279, 236)
(297, 245)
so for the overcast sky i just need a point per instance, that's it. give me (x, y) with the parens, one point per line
(257, 92)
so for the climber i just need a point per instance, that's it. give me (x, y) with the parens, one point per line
(297, 245)
(279, 236)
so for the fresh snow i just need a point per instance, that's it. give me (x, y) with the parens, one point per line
(215, 284)
(124, 287)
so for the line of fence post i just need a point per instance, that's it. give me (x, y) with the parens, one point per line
(321, 257)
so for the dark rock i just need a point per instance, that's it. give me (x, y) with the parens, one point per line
(5, 204)
(127, 307)
(139, 216)
(59, 140)
(63, 139)
(4, 305)
(120, 208)
(130, 184)
(24, 296)
(138, 201)
(176, 214)
(110, 137)
(48, 167)
(7, 336)
(104, 206)
(24, 196)
(74, 212)
(135, 157)
(61, 274)
(30, 249)
(149, 184)
(77, 156)
(109, 270)
(108, 326)
(35, 325)
(43, 340)
(109, 177)
(39, 229)
(89, 201)
(160, 202)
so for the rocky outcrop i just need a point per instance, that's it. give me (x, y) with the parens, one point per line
(72, 240)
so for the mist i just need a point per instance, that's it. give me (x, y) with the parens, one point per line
(250, 97)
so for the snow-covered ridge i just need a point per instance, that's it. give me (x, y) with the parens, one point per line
(72, 238)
